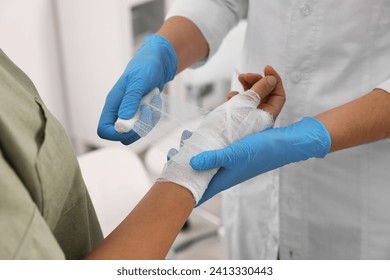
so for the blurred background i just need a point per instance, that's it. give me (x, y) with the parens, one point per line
(74, 51)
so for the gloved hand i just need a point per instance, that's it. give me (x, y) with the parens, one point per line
(146, 118)
(154, 64)
(229, 122)
(262, 152)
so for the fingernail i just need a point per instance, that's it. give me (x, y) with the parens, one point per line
(271, 80)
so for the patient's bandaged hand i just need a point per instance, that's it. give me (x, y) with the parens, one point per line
(233, 120)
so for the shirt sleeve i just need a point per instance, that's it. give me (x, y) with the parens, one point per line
(24, 233)
(214, 18)
(385, 85)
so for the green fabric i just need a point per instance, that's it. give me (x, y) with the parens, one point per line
(45, 209)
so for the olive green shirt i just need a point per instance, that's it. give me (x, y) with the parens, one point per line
(45, 209)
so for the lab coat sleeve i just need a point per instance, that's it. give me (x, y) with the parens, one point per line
(214, 18)
(385, 85)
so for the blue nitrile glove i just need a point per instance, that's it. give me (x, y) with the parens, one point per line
(153, 65)
(262, 152)
(146, 118)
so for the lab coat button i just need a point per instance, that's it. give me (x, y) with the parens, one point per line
(295, 77)
(305, 10)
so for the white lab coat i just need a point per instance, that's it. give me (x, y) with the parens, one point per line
(328, 52)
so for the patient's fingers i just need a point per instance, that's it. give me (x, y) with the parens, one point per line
(231, 94)
(264, 86)
(273, 97)
(247, 80)
(274, 102)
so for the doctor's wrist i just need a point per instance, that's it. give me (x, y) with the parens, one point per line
(167, 53)
(320, 139)
(307, 138)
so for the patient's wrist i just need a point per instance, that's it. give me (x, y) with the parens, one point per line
(177, 192)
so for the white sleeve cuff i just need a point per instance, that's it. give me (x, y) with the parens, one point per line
(214, 18)
(385, 85)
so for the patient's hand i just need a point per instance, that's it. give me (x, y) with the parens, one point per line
(272, 102)
(244, 114)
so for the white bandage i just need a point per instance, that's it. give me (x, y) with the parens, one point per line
(235, 119)
(123, 126)
(146, 116)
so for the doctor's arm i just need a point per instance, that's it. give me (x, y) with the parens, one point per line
(186, 39)
(358, 122)
(193, 32)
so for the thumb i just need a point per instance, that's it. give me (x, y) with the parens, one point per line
(130, 104)
(212, 159)
(264, 86)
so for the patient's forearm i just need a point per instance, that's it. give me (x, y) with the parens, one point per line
(358, 122)
(150, 229)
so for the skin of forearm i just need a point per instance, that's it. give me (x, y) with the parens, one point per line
(150, 229)
(187, 40)
(358, 122)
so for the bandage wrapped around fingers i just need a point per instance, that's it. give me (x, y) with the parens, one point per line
(233, 120)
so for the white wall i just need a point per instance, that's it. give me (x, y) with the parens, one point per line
(27, 36)
(94, 53)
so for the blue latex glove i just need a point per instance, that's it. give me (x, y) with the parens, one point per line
(262, 152)
(154, 64)
(146, 118)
